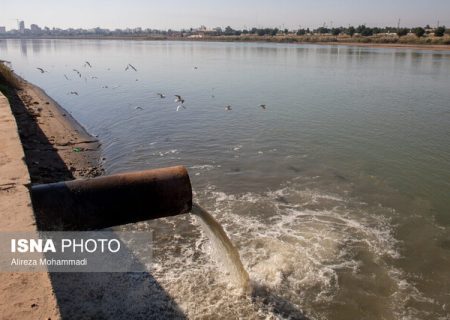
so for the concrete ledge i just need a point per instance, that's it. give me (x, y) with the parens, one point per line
(22, 295)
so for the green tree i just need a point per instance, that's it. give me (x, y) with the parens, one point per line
(301, 32)
(229, 31)
(367, 32)
(439, 32)
(260, 32)
(323, 30)
(359, 29)
(335, 31)
(419, 31)
(377, 30)
(402, 32)
(351, 31)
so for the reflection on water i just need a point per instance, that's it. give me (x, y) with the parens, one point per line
(336, 195)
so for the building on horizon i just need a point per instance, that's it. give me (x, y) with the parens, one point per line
(2, 29)
(21, 26)
(35, 28)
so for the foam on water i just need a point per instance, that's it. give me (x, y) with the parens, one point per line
(304, 251)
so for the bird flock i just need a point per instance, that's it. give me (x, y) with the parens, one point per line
(178, 98)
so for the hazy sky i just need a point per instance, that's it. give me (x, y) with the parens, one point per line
(178, 14)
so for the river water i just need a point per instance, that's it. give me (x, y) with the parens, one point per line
(337, 195)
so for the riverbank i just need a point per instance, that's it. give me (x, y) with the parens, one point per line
(56, 146)
(410, 42)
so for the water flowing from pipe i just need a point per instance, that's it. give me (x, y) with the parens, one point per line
(226, 252)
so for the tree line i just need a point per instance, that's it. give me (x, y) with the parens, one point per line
(362, 30)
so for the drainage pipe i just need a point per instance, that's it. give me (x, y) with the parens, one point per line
(112, 200)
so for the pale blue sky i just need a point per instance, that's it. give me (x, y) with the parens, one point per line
(178, 14)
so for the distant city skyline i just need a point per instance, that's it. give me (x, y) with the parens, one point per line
(178, 14)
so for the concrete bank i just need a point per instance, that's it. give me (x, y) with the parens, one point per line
(22, 295)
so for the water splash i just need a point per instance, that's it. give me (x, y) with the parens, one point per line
(225, 251)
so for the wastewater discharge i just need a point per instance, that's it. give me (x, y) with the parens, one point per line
(225, 251)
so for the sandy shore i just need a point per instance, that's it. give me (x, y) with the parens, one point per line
(389, 45)
(56, 147)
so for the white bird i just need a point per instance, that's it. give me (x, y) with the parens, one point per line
(41, 70)
(180, 106)
(228, 108)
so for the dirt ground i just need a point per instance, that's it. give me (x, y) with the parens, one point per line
(52, 147)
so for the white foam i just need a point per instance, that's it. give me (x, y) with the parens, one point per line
(206, 167)
(295, 243)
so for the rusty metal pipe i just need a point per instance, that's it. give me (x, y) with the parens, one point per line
(112, 200)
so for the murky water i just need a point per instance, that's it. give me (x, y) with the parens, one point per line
(337, 195)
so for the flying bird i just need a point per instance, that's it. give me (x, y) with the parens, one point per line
(130, 66)
(139, 108)
(228, 108)
(65, 76)
(87, 64)
(263, 106)
(179, 99)
(79, 73)
(161, 95)
(41, 70)
(180, 106)
(73, 92)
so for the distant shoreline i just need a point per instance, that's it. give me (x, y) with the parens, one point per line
(407, 42)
